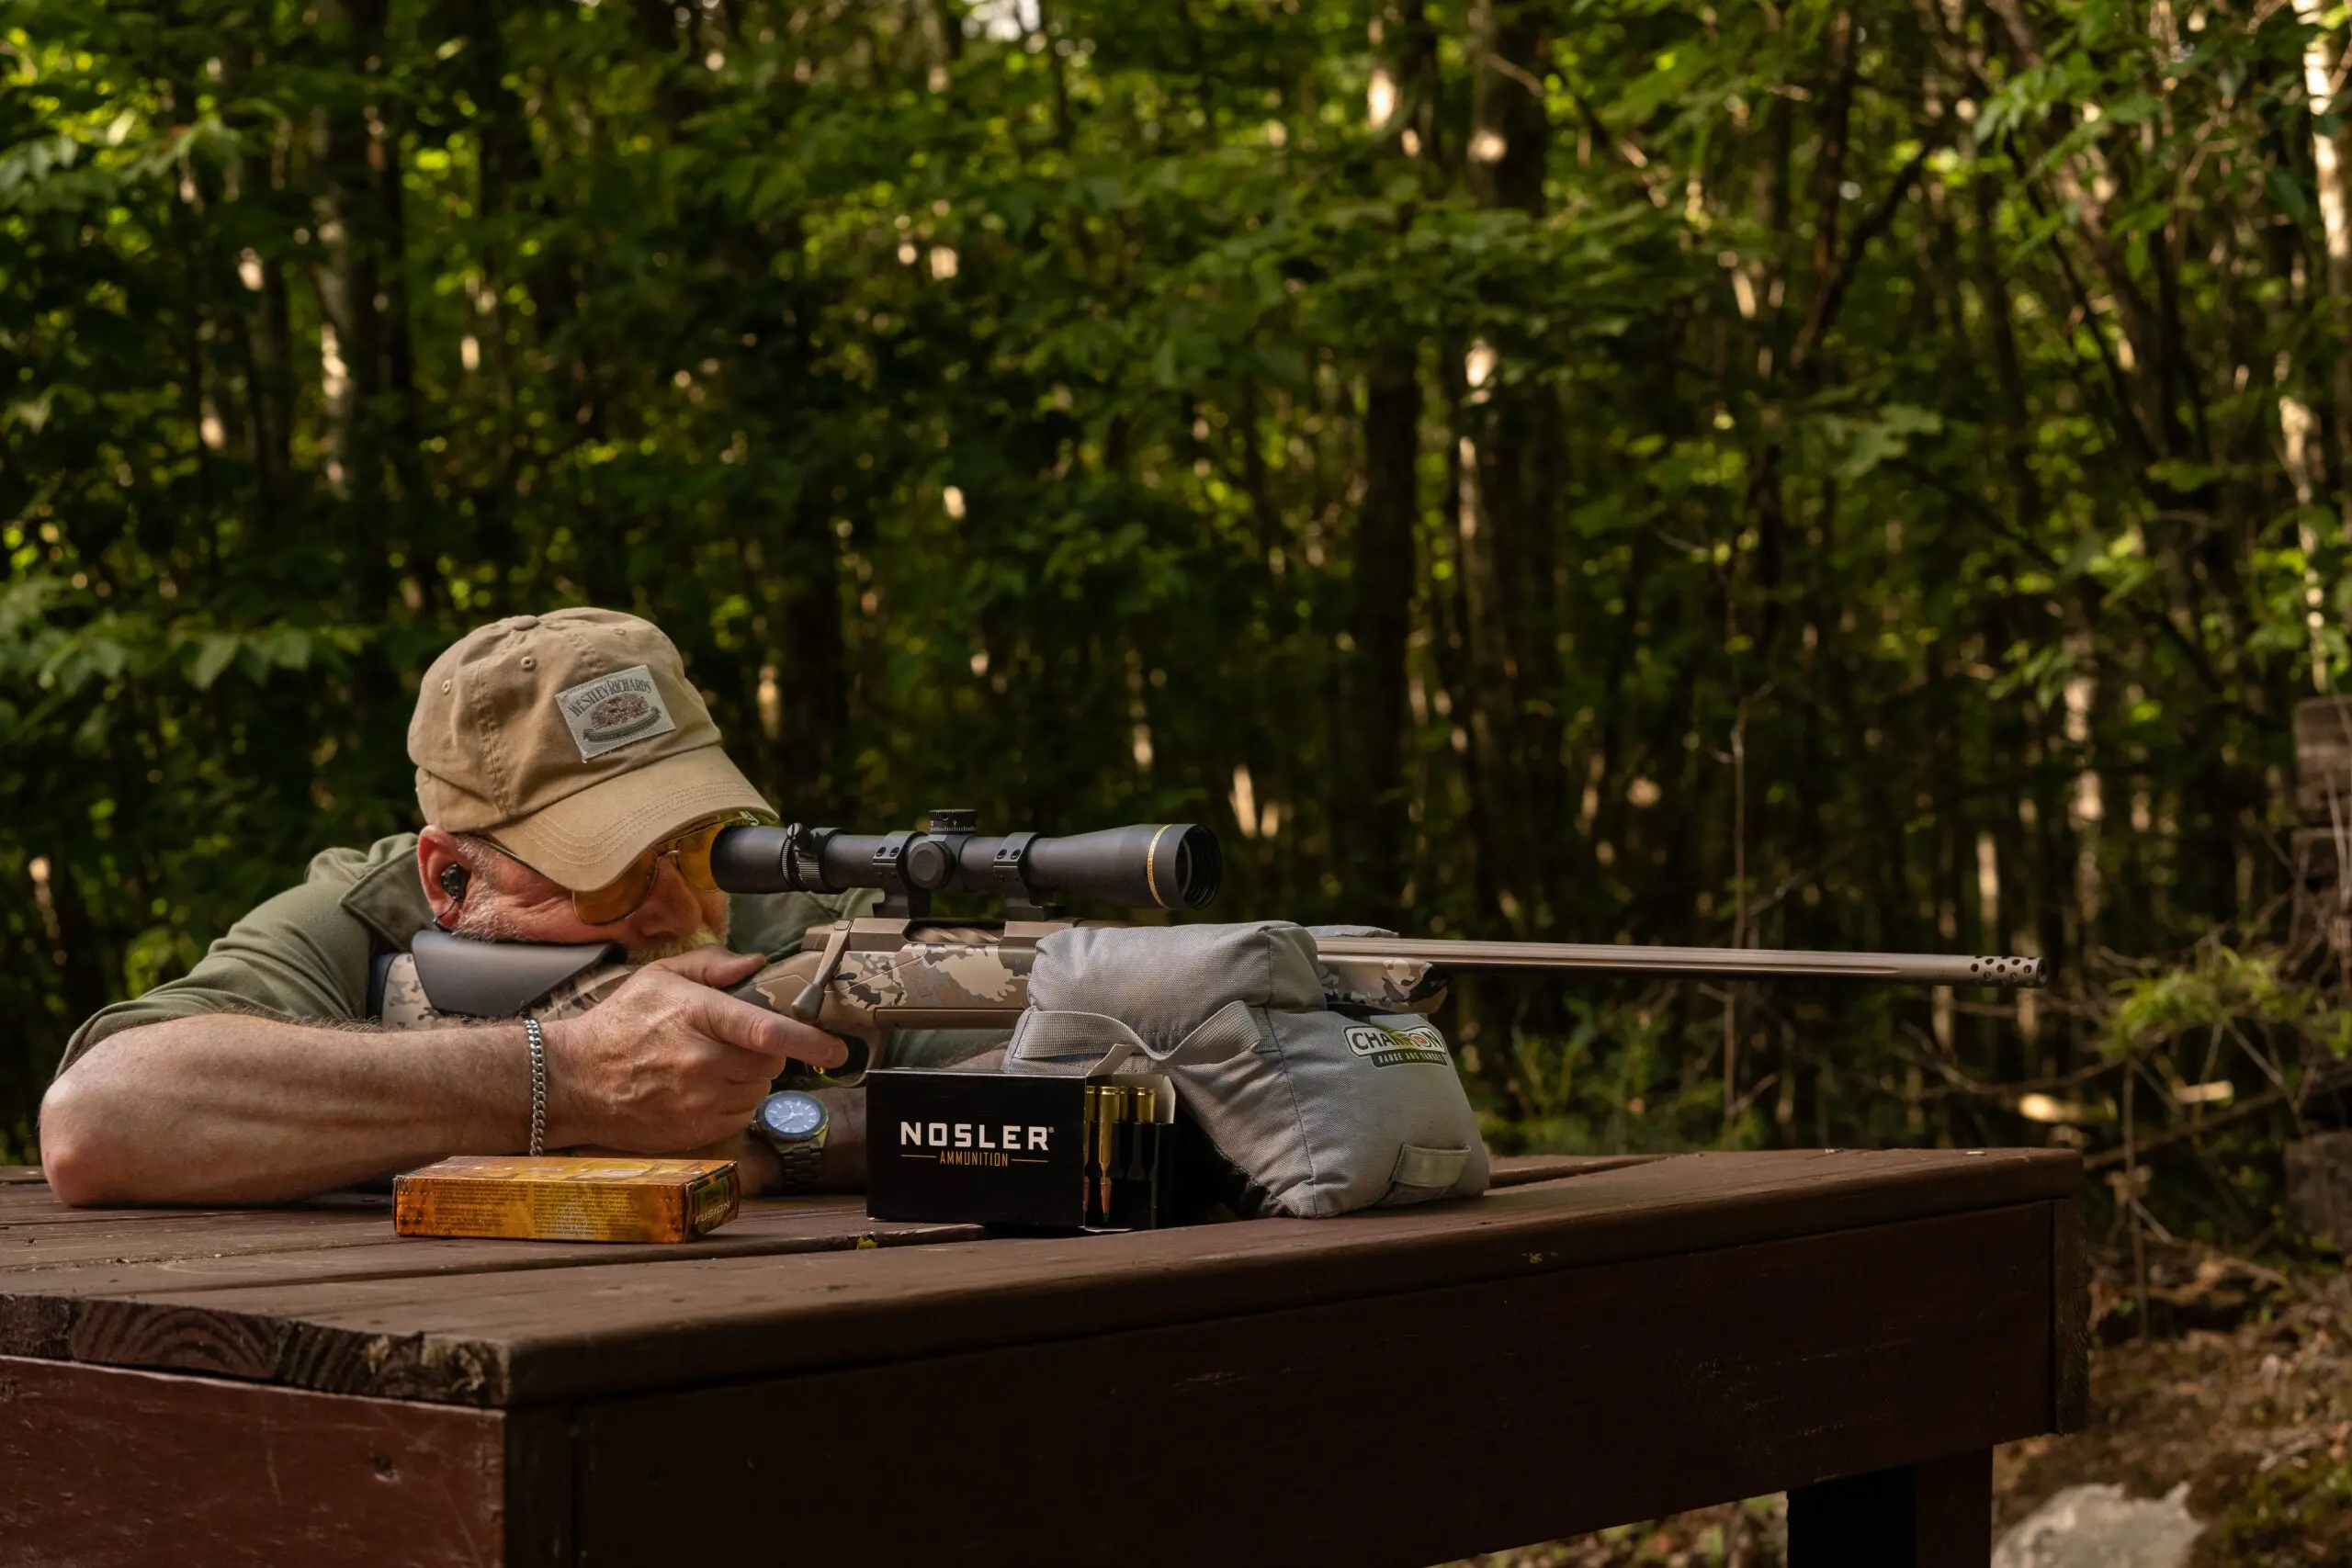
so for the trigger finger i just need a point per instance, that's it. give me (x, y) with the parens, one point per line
(750, 1067)
(806, 1044)
(769, 1037)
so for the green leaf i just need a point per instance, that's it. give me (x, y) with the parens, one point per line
(2289, 193)
(213, 655)
(1873, 441)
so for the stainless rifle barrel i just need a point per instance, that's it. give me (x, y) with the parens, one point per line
(1721, 962)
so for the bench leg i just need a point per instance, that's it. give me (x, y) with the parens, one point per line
(1937, 1515)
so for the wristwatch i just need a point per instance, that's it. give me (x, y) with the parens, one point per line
(795, 1125)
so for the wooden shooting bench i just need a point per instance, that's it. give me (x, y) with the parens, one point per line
(1595, 1342)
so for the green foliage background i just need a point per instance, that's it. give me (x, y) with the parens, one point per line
(1835, 476)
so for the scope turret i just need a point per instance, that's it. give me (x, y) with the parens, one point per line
(1170, 865)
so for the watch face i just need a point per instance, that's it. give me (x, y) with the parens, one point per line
(791, 1116)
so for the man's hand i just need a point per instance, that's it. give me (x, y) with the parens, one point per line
(669, 1060)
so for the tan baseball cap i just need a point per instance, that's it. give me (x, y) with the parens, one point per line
(573, 739)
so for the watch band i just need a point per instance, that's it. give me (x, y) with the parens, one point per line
(800, 1164)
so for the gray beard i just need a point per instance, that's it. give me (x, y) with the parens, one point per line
(670, 949)
(489, 922)
(485, 921)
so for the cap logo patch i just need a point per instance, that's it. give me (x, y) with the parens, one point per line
(615, 710)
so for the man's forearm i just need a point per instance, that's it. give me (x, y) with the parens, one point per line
(234, 1109)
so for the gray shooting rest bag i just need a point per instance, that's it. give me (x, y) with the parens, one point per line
(1320, 1111)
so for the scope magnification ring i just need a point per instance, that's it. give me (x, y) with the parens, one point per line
(1152, 866)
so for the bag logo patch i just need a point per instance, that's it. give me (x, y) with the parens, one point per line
(615, 710)
(1396, 1047)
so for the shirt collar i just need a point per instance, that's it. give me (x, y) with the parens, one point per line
(390, 900)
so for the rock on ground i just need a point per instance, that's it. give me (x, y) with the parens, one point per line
(2100, 1525)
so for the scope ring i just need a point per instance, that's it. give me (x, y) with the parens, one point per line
(1010, 866)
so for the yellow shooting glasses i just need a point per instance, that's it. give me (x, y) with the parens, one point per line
(689, 847)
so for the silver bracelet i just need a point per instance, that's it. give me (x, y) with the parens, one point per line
(538, 1084)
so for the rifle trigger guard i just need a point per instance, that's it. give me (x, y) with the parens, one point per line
(811, 999)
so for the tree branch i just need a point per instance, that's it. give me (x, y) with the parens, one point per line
(1832, 295)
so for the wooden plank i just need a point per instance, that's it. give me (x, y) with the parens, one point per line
(251, 1247)
(539, 1479)
(39, 1209)
(2314, 919)
(1934, 1514)
(2070, 1344)
(41, 1315)
(35, 1243)
(2322, 758)
(26, 1200)
(131, 1235)
(105, 1467)
(1397, 1430)
(548, 1336)
(31, 1202)
(1521, 1170)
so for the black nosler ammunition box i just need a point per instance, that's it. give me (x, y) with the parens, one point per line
(1034, 1153)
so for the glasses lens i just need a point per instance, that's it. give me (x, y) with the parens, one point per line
(694, 846)
(693, 850)
(620, 898)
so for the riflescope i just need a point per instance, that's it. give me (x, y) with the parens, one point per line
(1167, 865)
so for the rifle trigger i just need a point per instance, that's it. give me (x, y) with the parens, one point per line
(811, 1000)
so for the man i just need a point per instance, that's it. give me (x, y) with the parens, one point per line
(568, 772)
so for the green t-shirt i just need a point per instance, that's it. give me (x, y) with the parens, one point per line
(304, 956)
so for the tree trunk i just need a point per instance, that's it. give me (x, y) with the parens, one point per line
(354, 284)
(1519, 461)
(2331, 150)
(1369, 808)
(1370, 801)
(508, 170)
(814, 680)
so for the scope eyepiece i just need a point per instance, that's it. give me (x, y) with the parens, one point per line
(1170, 865)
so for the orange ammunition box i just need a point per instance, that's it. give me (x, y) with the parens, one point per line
(557, 1198)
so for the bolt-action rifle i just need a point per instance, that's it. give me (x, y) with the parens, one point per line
(898, 968)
